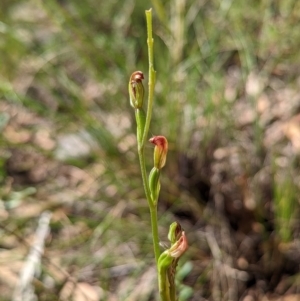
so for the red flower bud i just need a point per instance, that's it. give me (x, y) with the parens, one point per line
(136, 89)
(160, 151)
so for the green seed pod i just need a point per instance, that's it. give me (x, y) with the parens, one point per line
(154, 183)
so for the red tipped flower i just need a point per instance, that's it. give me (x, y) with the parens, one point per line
(160, 151)
(136, 89)
(179, 247)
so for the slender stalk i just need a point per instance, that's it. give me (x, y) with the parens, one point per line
(144, 175)
(152, 205)
(154, 226)
(141, 144)
(151, 80)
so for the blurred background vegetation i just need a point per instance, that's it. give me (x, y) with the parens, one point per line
(227, 98)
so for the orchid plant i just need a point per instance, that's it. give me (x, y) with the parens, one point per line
(167, 260)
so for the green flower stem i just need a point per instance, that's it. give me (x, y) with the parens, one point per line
(151, 80)
(144, 129)
(140, 117)
(154, 226)
(152, 205)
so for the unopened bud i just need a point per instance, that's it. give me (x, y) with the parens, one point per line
(160, 151)
(175, 232)
(154, 184)
(136, 89)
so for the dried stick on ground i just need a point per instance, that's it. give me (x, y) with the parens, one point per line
(24, 290)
